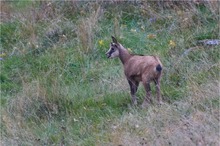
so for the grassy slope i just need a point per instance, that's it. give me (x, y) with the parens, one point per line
(57, 87)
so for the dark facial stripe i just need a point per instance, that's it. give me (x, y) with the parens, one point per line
(111, 51)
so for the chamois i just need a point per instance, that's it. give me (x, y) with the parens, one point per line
(137, 69)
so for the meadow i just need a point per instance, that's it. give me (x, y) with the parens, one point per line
(59, 88)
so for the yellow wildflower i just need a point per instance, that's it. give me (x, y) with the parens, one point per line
(172, 43)
(101, 42)
(129, 50)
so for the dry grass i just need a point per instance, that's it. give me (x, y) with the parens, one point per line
(176, 124)
(31, 102)
(86, 28)
(192, 121)
(58, 88)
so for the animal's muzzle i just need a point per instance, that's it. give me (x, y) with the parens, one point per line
(108, 55)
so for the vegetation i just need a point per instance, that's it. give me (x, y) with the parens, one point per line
(59, 88)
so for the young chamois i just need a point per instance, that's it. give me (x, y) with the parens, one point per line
(138, 68)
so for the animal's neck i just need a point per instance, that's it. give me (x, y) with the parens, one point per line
(124, 54)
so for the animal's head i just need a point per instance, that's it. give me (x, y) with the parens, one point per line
(114, 49)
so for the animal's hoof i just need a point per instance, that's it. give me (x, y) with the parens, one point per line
(134, 102)
(145, 104)
(160, 103)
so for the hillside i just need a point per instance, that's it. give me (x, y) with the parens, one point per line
(59, 88)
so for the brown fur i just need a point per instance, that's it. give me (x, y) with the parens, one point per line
(138, 69)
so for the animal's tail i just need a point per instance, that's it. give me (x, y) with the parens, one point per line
(159, 68)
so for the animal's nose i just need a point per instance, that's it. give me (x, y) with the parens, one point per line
(107, 54)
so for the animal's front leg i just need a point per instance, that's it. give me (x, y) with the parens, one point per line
(133, 88)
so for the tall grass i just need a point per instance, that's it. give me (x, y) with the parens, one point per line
(58, 87)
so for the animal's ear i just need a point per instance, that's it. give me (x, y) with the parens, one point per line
(114, 40)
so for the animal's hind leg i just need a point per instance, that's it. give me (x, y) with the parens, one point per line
(133, 88)
(157, 83)
(147, 99)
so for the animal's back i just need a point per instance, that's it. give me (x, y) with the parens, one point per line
(138, 65)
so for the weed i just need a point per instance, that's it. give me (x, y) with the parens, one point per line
(58, 88)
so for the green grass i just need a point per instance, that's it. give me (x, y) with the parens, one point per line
(58, 87)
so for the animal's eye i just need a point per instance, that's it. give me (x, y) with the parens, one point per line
(113, 49)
